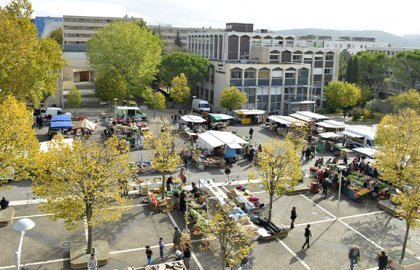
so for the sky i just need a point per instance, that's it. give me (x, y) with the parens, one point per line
(396, 17)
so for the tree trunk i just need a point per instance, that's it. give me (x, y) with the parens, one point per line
(270, 206)
(163, 186)
(223, 251)
(88, 219)
(407, 230)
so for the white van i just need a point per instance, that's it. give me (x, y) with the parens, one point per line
(53, 111)
(200, 105)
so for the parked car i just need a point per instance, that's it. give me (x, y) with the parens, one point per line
(52, 111)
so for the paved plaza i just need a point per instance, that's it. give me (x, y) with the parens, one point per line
(334, 233)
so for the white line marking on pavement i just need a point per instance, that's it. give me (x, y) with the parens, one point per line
(362, 215)
(259, 192)
(359, 233)
(26, 202)
(33, 216)
(192, 253)
(294, 254)
(35, 263)
(315, 222)
(320, 207)
(143, 248)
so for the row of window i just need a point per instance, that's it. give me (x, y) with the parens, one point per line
(87, 20)
(87, 28)
(264, 73)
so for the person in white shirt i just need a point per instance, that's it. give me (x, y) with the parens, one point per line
(92, 262)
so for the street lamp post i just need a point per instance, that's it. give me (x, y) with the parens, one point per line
(341, 168)
(115, 108)
(23, 225)
(187, 190)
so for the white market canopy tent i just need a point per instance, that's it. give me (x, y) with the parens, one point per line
(45, 146)
(190, 118)
(315, 116)
(211, 139)
(85, 124)
(370, 152)
(249, 112)
(285, 120)
(332, 124)
(329, 135)
(359, 133)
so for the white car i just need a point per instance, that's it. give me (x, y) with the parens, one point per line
(53, 111)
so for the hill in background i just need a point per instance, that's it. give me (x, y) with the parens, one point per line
(394, 40)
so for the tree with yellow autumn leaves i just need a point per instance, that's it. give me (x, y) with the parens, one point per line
(222, 231)
(82, 183)
(279, 166)
(398, 161)
(18, 142)
(166, 158)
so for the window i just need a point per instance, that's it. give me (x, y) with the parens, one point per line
(328, 71)
(318, 57)
(236, 73)
(289, 74)
(250, 73)
(274, 57)
(329, 57)
(277, 73)
(264, 74)
(297, 58)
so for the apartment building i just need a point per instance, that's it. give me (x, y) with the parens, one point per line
(168, 34)
(274, 73)
(390, 51)
(352, 44)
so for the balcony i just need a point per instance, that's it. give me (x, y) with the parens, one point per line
(236, 82)
(276, 82)
(290, 81)
(263, 82)
(250, 82)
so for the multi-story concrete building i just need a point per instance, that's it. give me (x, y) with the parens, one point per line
(168, 34)
(390, 51)
(352, 44)
(274, 73)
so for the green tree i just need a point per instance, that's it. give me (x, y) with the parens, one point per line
(232, 98)
(279, 165)
(155, 99)
(110, 84)
(341, 95)
(409, 99)
(82, 182)
(180, 91)
(353, 70)
(405, 68)
(193, 66)
(224, 232)
(57, 35)
(345, 58)
(372, 68)
(398, 160)
(29, 67)
(18, 142)
(74, 99)
(128, 48)
(178, 41)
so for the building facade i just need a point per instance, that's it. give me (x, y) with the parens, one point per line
(274, 73)
(352, 44)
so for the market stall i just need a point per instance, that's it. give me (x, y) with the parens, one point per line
(190, 125)
(83, 128)
(370, 152)
(60, 124)
(249, 116)
(219, 121)
(214, 147)
(330, 126)
(278, 123)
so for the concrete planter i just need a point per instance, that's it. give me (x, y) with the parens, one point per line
(410, 261)
(79, 258)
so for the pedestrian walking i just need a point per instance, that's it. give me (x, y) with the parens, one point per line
(182, 176)
(251, 131)
(178, 255)
(307, 235)
(382, 261)
(187, 256)
(92, 262)
(345, 160)
(149, 254)
(244, 263)
(325, 187)
(177, 239)
(354, 256)
(161, 247)
(293, 216)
